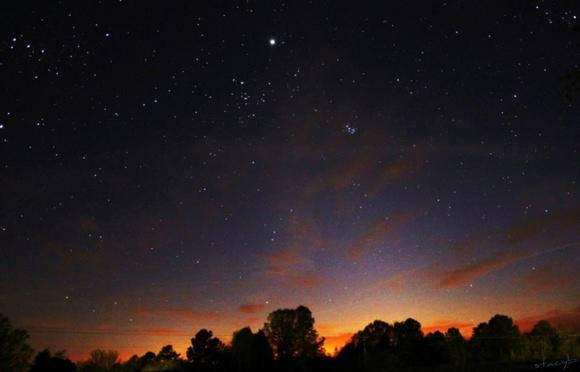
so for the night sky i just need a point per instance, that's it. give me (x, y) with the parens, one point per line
(171, 166)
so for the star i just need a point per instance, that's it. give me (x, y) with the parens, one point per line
(272, 41)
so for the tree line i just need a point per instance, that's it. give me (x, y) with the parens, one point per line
(289, 341)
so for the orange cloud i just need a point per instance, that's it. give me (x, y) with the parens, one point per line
(401, 168)
(356, 253)
(293, 264)
(293, 269)
(512, 235)
(305, 279)
(567, 319)
(280, 260)
(545, 279)
(88, 225)
(405, 166)
(397, 281)
(251, 308)
(367, 166)
(342, 174)
(561, 220)
(376, 234)
(466, 274)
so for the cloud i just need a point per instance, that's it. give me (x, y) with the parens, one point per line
(376, 234)
(356, 253)
(179, 314)
(305, 279)
(373, 167)
(292, 268)
(547, 279)
(567, 319)
(513, 235)
(293, 264)
(466, 274)
(556, 221)
(401, 168)
(251, 308)
(88, 225)
(281, 259)
(397, 281)
(409, 163)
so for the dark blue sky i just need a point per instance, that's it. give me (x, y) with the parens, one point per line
(167, 167)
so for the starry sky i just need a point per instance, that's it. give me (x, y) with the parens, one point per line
(171, 166)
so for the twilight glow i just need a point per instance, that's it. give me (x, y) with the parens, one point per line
(169, 168)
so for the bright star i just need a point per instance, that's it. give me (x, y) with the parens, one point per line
(272, 41)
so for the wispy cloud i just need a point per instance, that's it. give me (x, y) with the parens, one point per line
(292, 268)
(547, 279)
(373, 168)
(468, 273)
(511, 238)
(179, 314)
(556, 222)
(376, 234)
(565, 318)
(293, 263)
(251, 308)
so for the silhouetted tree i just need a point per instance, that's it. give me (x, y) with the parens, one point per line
(167, 358)
(148, 357)
(167, 354)
(242, 341)
(206, 352)
(251, 352)
(435, 350)
(544, 341)
(262, 355)
(380, 346)
(46, 362)
(457, 346)
(569, 344)
(14, 349)
(402, 346)
(495, 341)
(101, 361)
(133, 364)
(291, 334)
(146, 362)
(408, 337)
(378, 336)
(373, 347)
